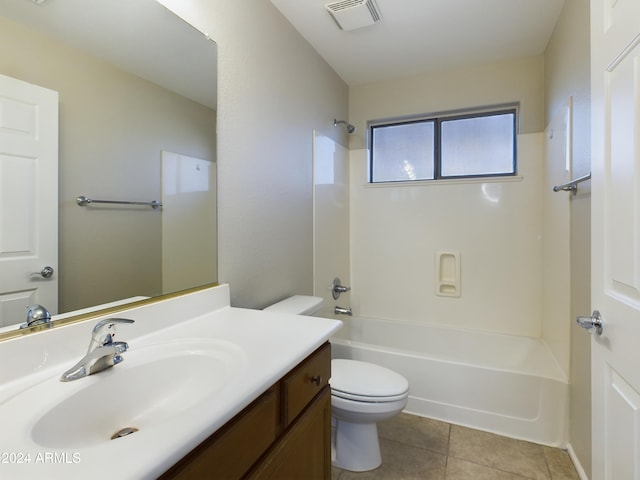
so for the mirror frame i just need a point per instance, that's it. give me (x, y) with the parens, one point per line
(20, 332)
(98, 312)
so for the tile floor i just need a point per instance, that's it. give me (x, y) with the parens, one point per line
(420, 448)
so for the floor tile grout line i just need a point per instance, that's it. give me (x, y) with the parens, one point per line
(447, 457)
(492, 468)
(410, 442)
(426, 449)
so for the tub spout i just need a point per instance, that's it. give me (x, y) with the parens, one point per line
(342, 311)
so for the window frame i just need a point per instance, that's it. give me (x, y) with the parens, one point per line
(437, 120)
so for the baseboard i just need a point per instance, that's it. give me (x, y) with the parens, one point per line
(576, 463)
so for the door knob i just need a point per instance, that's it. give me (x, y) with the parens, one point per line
(46, 272)
(592, 323)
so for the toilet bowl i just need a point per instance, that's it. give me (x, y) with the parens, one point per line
(362, 394)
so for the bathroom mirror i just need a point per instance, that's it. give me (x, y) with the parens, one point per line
(137, 120)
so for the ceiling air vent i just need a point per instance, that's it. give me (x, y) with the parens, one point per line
(352, 14)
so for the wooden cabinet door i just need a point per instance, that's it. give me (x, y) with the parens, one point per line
(305, 450)
(229, 453)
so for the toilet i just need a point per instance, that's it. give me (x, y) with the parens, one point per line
(362, 394)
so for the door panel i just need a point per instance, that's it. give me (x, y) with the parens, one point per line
(621, 81)
(615, 258)
(28, 197)
(622, 420)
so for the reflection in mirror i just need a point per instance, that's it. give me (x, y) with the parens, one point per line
(136, 122)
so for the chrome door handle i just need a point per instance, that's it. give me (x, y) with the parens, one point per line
(46, 272)
(592, 323)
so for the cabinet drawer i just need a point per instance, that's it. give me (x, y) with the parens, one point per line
(305, 382)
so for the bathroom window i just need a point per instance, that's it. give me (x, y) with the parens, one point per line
(479, 144)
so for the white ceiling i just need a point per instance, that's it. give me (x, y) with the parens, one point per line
(141, 37)
(417, 36)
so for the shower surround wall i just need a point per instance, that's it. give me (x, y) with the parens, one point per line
(397, 230)
(330, 221)
(496, 225)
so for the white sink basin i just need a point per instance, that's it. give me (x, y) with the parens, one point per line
(204, 361)
(154, 384)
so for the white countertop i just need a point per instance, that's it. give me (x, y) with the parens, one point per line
(270, 345)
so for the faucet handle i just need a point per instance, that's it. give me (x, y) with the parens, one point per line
(104, 330)
(36, 315)
(337, 288)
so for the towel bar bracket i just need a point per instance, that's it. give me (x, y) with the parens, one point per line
(572, 186)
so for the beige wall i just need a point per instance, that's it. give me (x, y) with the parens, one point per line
(490, 84)
(112, 128)
(567, 75)
(274, 90)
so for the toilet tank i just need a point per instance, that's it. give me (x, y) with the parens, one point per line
(297, 305)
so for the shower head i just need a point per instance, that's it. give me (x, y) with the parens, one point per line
(350, 128)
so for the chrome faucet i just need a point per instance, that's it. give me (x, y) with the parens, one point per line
(102, 353)
(337, 288)
(342, 311)
(37, 315)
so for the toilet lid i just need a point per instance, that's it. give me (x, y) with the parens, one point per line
(357, 380)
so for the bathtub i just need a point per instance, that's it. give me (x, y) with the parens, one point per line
(503, 384)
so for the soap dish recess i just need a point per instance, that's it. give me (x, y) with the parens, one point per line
(447, 269)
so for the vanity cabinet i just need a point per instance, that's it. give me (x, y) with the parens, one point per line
(283, 434)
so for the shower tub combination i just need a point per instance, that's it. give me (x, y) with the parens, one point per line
(504, 384)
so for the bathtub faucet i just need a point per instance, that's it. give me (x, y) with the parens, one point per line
(342, 311)
(337, 288)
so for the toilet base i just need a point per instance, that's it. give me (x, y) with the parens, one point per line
(355, 446)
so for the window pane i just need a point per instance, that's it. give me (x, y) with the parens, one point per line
(478, 146)
(402, 152)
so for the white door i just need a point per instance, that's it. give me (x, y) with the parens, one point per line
(615, 81)
(28, 198)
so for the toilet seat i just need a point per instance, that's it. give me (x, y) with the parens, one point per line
(367, 399)
(365, 382)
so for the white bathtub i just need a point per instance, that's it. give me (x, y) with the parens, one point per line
(504, 384)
